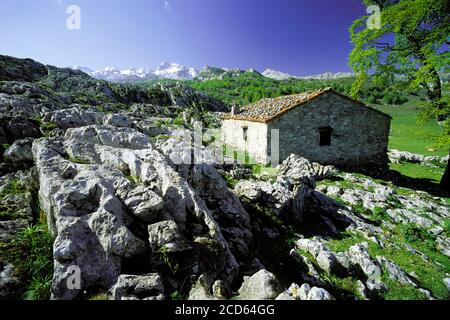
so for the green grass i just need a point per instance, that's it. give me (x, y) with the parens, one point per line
(49, 126)
(259, 169)
(430, 274)
(134, 179)
(409, 135)
(13, 187)
(415, 170)
(77, 160)
(6, 214)
(32, 255)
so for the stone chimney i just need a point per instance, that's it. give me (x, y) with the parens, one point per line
(234, 110)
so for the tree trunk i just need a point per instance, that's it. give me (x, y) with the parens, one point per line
(445, 181)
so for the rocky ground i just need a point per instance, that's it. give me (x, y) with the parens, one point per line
(100, 193)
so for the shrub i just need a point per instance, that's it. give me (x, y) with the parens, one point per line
(31, 253)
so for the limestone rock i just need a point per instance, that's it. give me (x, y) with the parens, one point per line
(300, 169)
(294, 291)
(395, 272)
(263, 285)
(284, 296)
(166, 236)
(142, 201)
(20, 151)
(304, 291)
(99, 216)
(325, 258)
(319, 294)
(10, 285)
(134, 287)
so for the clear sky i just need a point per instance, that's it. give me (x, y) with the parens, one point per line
(301, 37)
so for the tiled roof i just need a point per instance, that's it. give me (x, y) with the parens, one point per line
(269, 109)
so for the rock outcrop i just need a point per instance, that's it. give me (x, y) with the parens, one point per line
(99, 181)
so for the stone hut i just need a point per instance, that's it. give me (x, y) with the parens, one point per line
(324, 126)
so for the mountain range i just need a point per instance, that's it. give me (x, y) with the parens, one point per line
(278, 75)
(176, 71)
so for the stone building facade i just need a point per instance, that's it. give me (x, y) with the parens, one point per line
(323, 126)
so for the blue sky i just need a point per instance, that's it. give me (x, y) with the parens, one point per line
(301, 37)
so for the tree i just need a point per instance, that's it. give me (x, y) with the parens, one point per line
(410, 44)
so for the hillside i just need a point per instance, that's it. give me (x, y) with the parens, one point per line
(44, 88)
(407, 133)
(97, 180)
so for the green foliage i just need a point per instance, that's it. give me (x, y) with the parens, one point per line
(430, 273)
(412, 234)
(6, 213)
(176, 295)
(178, 121)
(231, 182)
(49, 126)
(39, 288)
(411, 45)
(379, 214)
(250, 87)
(134, 179)
(77, 160)
(32, 255)
(99, 297)
(13, 187)
(446, 226)
(408, 134)
(167, 260)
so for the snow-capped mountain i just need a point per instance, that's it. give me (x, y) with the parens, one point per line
(277, 75)
(329, 76)
(129, 75)
(175, 71)
(84, 69)
(163, 71)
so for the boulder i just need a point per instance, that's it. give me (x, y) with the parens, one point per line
(200, 293)
(73, 118)
(395, 272)
(11, 287)
(17, 128)
(359, 256)
(138, 287)
(165, 235)
(19, 152)
(304, 291)
(118, 120)
(99, 214)
(286, 198)
(319, 294)
(140, 200)
(294, 291)
(263, 285)
(284, 296)
(447, 283)
(325, 258)
(301, 169)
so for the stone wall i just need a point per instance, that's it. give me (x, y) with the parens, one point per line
(359, 138)
(257, 137)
